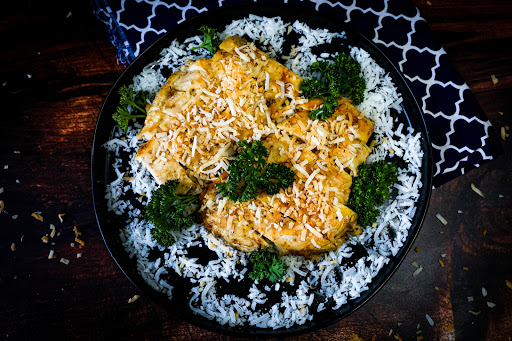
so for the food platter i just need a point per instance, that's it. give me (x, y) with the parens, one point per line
(103, 174)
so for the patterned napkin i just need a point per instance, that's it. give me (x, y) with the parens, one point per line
(462, 137)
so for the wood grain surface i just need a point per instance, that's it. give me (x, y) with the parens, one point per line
(56, 67)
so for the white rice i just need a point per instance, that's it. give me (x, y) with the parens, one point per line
(335, 281)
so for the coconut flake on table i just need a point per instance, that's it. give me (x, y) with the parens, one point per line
(380, 242)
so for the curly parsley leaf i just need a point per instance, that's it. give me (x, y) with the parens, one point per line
(370, 189)
(250, 173)
(266, 264)
(276, 176)
(169, 211)
(326, 110)
(122, 117)
(137, 102)
(338, 79)
(211, 41)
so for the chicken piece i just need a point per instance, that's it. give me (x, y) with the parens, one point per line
(346, 122)
(164, 167)
(313, 223)
(343, 136)
(261, 223)
(240, 93)
(211, 103)
(299, 220)
(295, 155)
(278, 84)
(170, 98)
(234, 222)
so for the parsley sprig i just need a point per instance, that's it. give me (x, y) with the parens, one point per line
(128, 99)
(370, 189)
(266, 264)
(338, 79)
(169, 211)
(211, 41)
(250, 173)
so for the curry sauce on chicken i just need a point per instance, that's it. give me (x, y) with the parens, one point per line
(204, 109)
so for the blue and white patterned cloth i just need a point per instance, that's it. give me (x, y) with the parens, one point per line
(462, 137)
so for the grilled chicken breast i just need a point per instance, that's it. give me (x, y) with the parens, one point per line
(204, 109)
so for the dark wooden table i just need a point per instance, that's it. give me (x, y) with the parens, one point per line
(56, 67)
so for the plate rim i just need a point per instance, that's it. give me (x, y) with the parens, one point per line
(161, 299)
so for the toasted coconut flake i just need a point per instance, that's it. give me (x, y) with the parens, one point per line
(494, 79)
(441, 263)
(194, 146)
(13, 246)
(79, 241)
(45, 239)
(477, 191)
(133, 299)
(52, 234)
(312, 230)
(2, 205)
(503, 133)
(61, 217)
(77, 233)
(311, 177)
(302, 170)
(508, 283)
(37, 216)
(441, 219)
(315, 244)
(64, 260)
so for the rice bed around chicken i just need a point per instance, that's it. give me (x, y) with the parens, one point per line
(309, 286)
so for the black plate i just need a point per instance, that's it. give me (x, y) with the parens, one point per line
(110, 224)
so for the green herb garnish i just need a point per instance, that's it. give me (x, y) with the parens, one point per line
(276, 176)
(211, 41)
(169, 211)
(266, 264)
(338, 79)
(370, 189)
(128, 99)
(250, 173)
